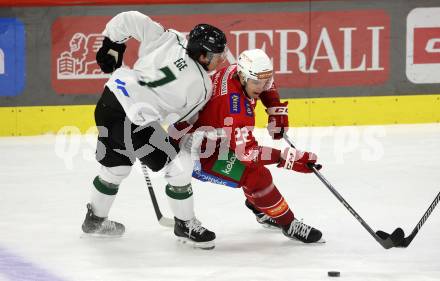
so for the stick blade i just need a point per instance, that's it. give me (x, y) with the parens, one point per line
(395, 239)
(382, 234)
(406, 241)
(398, 237)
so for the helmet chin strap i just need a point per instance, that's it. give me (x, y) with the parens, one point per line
(246, 94)
(205, 66)
(243, 84)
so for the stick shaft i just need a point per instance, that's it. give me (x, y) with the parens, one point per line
(346, 204)
(422, 220)
(341, 199)
(162, 220)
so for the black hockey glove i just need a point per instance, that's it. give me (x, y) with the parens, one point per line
(109, 56)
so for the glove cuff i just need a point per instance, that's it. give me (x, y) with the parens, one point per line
(289, 157)
(278, 110)
(120, 48)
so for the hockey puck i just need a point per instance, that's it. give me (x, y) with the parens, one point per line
(333, 273)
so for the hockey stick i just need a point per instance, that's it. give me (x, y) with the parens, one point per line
(407, 240)
(164, 221)
(393, 240)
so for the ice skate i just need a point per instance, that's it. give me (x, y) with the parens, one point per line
(262, 218)
(192, 232)
(300, 231)
(101, 227)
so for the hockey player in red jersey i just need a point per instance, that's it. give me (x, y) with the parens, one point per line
(229, 153)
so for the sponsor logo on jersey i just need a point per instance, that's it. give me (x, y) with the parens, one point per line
(215, 83)
(229, 166)
(423, 46)
(234, 103)
(121, 87)
(12, 57)
(248, 107)
(202, 176)
(224, 87)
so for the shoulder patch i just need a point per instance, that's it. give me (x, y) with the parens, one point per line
(248, 107)
(225, 78)
(234, 103)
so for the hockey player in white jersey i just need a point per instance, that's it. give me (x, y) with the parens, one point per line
(170, 78)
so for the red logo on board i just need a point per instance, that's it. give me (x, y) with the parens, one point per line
(427, 45)
(308, 50)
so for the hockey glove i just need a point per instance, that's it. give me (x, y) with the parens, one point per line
(278, 121)
(109, 56)
(293, 159)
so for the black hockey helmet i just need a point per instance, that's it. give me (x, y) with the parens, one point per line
(205, 38)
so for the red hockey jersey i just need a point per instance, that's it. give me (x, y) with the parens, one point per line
(231, 110)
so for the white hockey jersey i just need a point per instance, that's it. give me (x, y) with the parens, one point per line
(165, 84)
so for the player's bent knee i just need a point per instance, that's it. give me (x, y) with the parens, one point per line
(179, 171)
(158, 159)
(114, 175)
(155, 164)
(256, 177)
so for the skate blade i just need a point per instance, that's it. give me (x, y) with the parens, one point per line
(319, 242)
(269, 227)
(99, 236)
(198, 245)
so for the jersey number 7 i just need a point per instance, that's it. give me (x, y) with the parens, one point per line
(169, 76)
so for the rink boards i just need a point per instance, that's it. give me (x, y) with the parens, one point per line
(35, 120)
(334, 62)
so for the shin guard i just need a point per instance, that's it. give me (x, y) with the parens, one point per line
(260, 190)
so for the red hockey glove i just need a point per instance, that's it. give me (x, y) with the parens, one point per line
(278, 121)
(293, 159)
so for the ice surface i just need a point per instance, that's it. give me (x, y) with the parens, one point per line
(389, 174)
